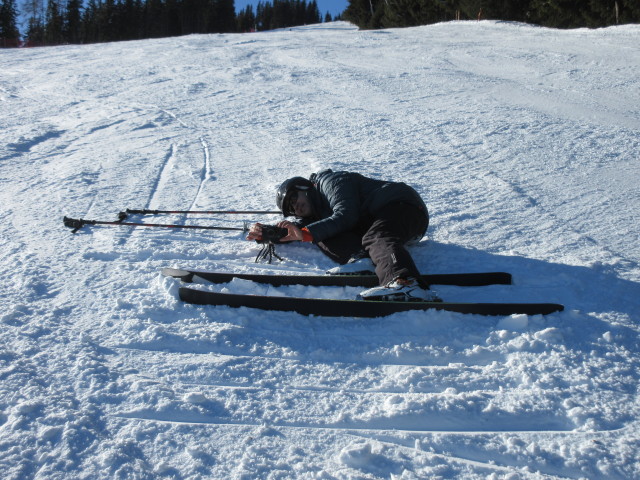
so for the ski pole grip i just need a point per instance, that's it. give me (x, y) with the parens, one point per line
(76, 223)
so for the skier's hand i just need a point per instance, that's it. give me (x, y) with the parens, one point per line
(295, 234)
(255, 232)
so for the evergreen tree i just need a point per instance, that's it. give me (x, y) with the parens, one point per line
(551, 13)
(35, 32)
(281, 14)
(629, 11)
(54, 26)
(132, 20)
(172, 12)
(9, 35)
(107, 21)
(313, 13)
(516, 10)
(264, 16)
(89, 23)
(603, 13)
(193, 15)
(558, 13)
(223, 17)
(406, 13)
(73, 22)
(246, 20)
(34, 11)
(471, 8)
(365, 13)
(154, 19)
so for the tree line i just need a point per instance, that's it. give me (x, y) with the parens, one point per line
(56, 22)
(374, 14)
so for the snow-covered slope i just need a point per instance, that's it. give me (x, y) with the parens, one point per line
(524, 142)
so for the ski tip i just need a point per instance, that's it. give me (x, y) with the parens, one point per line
(184, 275)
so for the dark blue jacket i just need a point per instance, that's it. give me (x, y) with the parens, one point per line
(344, 201)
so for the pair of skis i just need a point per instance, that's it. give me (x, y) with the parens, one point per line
(350, 308)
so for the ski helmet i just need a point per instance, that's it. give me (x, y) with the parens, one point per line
(283, 194)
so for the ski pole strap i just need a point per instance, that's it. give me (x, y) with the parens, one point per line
(267, 253)
(271, 235)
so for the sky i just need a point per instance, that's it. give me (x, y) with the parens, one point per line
(334, 7)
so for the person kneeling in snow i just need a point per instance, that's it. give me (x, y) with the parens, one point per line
(362, 224)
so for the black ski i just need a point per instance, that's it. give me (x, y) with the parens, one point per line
(357, 308)
(460, 279)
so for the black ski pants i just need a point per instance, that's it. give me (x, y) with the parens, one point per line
(384, 239)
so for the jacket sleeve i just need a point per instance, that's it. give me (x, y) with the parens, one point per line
(342, 193)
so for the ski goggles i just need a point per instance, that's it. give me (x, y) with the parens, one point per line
(290, 203)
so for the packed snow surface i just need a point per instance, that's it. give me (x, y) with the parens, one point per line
(524, 142)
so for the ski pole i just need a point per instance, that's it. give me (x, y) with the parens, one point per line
(77, 223)
(146, 211)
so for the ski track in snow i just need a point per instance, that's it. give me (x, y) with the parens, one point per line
(523, 141)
